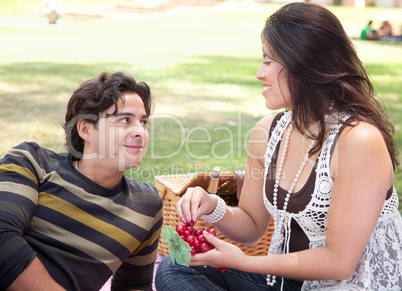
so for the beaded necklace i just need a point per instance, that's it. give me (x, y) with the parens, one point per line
(276, 241)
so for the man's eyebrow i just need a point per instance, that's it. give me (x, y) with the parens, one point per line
(126, 114)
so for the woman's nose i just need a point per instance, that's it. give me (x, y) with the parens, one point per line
(260, 75)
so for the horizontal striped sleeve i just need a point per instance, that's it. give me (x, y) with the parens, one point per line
(18, 169)
(154, 234)
(19, 189)
(73, 192)
(80, 215)
(137, 271)
(143, 260)
(18, 203)
(69, 238)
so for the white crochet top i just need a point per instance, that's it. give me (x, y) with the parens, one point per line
(380, 266)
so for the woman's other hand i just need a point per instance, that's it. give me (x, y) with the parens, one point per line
(224, 254)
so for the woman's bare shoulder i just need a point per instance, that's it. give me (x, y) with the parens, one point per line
(362, 134)
(364, 144)
(259, 136)
(265, 123)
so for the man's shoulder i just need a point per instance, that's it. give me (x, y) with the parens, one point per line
(28, 146)
(31, 154)
(25, 150)
(136, 185)
(33, 148)
(144, 190)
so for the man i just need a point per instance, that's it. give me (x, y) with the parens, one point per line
(69, 221)
(368, 33)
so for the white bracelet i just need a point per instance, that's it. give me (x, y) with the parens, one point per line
(218, 213)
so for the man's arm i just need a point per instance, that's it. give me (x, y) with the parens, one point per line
(20, 269)
(136, 273)
(35, 277)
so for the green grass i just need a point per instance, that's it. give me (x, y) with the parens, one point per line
(200, 66)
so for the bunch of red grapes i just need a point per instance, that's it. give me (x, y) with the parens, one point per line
(196, 239)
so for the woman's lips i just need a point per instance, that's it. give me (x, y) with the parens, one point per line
(267, 88)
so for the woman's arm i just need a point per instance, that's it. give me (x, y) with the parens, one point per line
(363, 174)
(251, 217)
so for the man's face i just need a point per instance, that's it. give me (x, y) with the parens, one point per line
(120, 139)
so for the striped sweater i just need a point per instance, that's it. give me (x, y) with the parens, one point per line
(82, 232)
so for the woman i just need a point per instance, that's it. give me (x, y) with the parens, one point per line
(325, 175)
(385, 30)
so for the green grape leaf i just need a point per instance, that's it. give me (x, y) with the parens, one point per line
(169, 235)
(179, 249)
(173, 256)
(183, 258)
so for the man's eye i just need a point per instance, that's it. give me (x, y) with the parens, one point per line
(124, 120)
(144, 122)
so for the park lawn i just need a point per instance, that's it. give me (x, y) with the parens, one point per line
(202, 77)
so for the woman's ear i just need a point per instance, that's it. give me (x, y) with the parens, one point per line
(84, 129)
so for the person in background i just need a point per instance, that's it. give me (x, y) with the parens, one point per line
(385, 30)
(368, 33)
(322, 167)
(53, 10)
(68, 221)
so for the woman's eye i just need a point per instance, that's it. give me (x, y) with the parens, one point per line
(124, 120)
(144, 123)
(266, 63)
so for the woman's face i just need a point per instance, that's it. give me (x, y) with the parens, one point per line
(274, 80)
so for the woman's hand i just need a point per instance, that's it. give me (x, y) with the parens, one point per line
(194, 203)
(224, 255)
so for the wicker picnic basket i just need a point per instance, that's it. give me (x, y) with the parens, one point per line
(172, 187)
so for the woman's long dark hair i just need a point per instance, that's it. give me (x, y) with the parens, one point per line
(323, 68)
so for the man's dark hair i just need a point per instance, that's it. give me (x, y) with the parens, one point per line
(95, 96)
